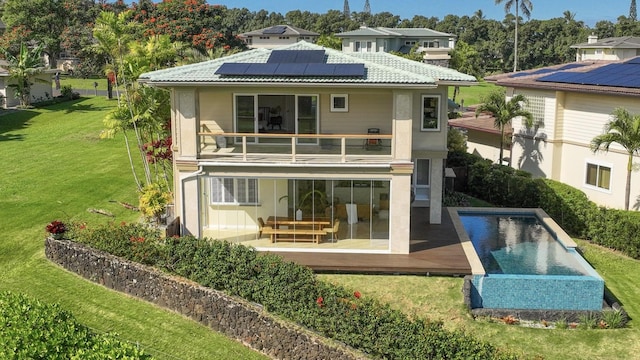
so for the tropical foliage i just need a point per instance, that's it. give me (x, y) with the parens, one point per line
(504, 111)
(623, 129)
(23, 69)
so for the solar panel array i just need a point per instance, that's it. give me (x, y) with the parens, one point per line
(275, 30)
(625, 74)
(293, 63)
(546, 70)
(296, 56)
(291, 69)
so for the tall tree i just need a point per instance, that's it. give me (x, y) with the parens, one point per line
(623, 129)
(520, 5)
(633, 11)
(504, 112)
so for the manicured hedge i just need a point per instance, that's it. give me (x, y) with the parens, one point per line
(568, 206)
(30, 329)
(293, 292)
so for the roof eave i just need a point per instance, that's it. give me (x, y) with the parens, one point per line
(169, 84)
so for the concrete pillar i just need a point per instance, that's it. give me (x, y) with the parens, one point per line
(437, 180)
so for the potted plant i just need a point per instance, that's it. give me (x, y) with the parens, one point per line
(57, 229)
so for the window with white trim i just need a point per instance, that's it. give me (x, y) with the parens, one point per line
(431, 44)
(364, 46)
(236, 191)
(339, 102)
(598, 176)
(430, 112)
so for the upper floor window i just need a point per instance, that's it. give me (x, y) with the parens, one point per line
(598, 176)
(431, 44)
(430, 112)
(234, 191)
(364, 46)
(339, 102)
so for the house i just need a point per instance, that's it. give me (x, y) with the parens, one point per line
(278, 35)
(41, 89)
(435, 45)
(305, 147)
(609, 49)
(571, 103)
(483, 138)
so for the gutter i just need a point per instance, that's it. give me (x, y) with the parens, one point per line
(182, 199)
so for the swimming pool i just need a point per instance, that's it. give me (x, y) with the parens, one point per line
(521, 259)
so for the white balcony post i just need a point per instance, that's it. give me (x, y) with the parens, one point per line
(343, 149)
(244, 148)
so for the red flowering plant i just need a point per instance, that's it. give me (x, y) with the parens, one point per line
(56, 228)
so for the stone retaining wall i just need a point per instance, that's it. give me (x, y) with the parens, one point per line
(231, 316)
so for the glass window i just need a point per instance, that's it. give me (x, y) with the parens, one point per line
(598, 176)
(339, 102)
(237, 191)
(430, 112)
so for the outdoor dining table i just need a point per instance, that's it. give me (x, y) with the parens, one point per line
(306, 229)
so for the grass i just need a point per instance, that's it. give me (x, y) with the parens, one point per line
(441, 298)
(56, 167)
(472, 95)
(83, 84)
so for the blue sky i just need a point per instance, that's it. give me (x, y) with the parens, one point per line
(589, 11)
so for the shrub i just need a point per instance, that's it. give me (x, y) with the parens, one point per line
(293, 291)
(30, 329)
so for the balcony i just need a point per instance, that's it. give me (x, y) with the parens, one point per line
(295, 148)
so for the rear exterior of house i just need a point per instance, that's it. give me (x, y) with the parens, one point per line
(278, 35)
(304, 148)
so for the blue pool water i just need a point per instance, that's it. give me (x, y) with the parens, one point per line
(522, 259)
(518, 245)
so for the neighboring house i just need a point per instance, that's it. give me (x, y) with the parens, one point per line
(610, 49)
(278, 35)
(41, 89)
(304, 132)
(483, 138)
(435, 45)
(571, 104)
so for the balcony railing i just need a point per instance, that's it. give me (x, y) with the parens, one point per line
(270, 147)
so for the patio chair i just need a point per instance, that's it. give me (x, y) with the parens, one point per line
(373, 143)
(333, 230)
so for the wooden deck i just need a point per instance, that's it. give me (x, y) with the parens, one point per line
(435, 250)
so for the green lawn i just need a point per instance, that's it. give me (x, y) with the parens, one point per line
(83, 84)
(441, 298)
(472, 95)
(56, 167)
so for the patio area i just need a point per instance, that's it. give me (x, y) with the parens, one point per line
(435, 250)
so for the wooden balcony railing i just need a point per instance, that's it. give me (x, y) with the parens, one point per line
(269, 147)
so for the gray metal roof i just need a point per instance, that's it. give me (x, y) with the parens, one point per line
(380, 69)
(288, 31)
(625, 42)
(394, 32)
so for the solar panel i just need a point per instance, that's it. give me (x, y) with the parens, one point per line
(232, 69)
(571, 66)
(275, 30)
(310, 56)
(319, 70)
(290, 69)
(261, 69)
(296, 56)
(635, 60)
(349, 70)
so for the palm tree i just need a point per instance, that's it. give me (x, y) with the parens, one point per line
(526, 6)
(622, 129)
(504, 111)
(22, 69)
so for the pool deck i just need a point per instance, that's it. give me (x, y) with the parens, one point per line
(435, 250)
